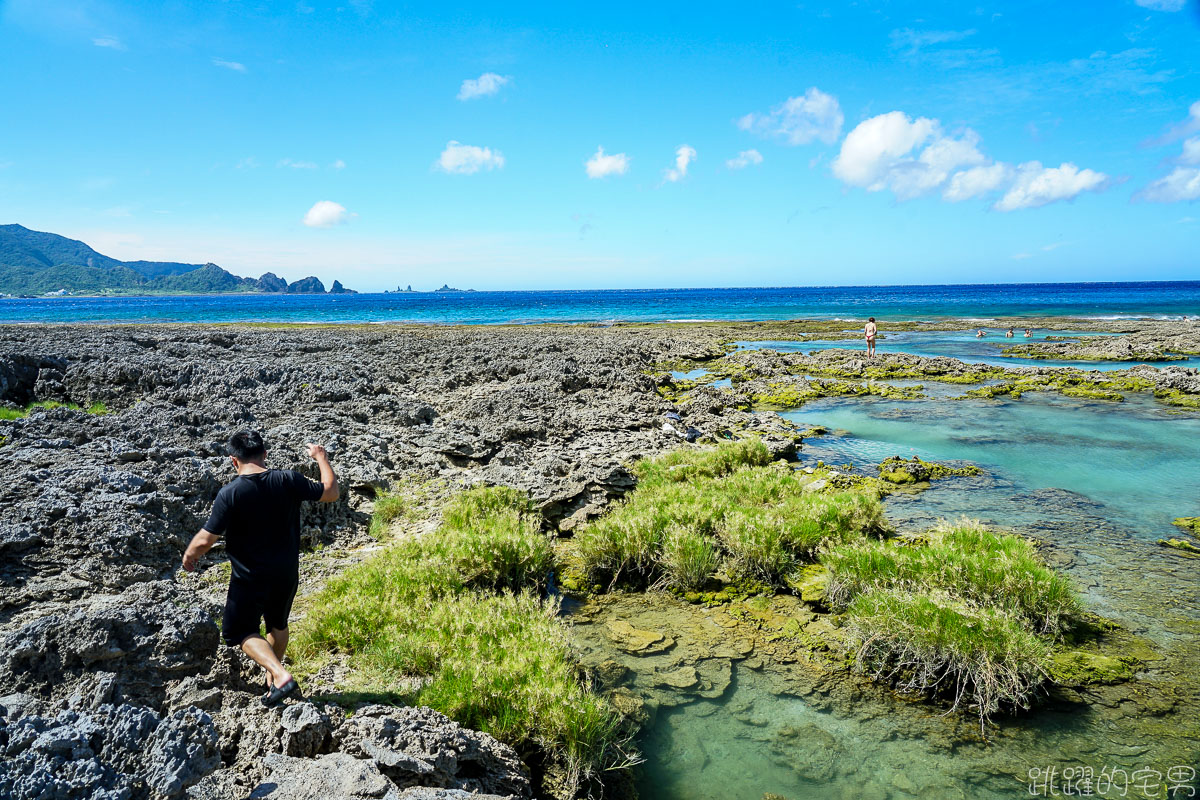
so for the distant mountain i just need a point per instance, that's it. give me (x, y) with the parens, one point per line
(33, 263)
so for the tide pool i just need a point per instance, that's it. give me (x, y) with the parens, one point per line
(1136, 460)
(963, 345)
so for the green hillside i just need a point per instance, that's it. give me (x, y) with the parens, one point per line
(36, 263)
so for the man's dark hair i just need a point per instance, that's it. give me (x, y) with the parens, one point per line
(247, 446)
(871, 319)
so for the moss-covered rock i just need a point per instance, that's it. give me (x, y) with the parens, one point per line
(1182, 545)
(899, 471)
(811, 582)
(1082, 668)
(1190, 524)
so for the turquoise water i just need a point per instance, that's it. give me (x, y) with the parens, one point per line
(1137, 460)
(848, 302)
(962, 345)
(1099, 482)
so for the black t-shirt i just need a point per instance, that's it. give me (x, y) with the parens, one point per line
(259, 516)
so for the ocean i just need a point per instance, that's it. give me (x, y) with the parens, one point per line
(968, 302)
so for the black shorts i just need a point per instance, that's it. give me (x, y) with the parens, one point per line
(254, 600)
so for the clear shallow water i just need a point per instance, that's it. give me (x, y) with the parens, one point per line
(1137, 459)
(962, 345)
(882, 302)
(1098, 481)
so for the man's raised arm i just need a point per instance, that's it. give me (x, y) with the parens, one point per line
(201, 543)
(328, 478)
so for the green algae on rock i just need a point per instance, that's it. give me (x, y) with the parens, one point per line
(1190, 524)
(1182, 545)
(901, 471)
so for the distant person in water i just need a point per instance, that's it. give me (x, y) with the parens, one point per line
(871, 330)
(258, 513)
(980, 334)
(1010, 334)
(1028, 333)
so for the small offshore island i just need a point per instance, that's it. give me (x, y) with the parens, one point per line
(575, 559)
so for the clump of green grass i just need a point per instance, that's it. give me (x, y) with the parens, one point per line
(388, 508)
(933, 644)
(9, 413)
(967, 613)
(966, 560)
(757, 520)
(461, 608)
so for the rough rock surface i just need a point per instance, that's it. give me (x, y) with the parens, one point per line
(99, 635)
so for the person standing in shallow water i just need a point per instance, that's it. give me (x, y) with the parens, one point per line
(870, 331)
(258, 513)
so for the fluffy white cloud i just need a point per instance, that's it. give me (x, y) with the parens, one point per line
(485, 85)
(1183, 183)
(684, 155)
(976, 181)
(233, 65)
(339, 164)
(1162, 5)
(912, 158)
(287, 162)
(602, 164)
(326, 214)
(109, 41)
(881, 153)
(744, 159)
(799, 120)
(1035, 185)
(467, 159)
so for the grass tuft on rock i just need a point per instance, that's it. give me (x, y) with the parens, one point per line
(964, 613)
(966, 560)
(934, 644)
(695, 513)
(455, 620)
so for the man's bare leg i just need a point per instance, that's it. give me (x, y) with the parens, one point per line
(263, 654)
(278, 639)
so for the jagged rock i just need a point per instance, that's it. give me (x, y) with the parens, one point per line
(420, 747)
(113, 753)
(633, 640)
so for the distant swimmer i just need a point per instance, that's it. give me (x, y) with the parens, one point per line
(871, 330)
(980, 334)
(1028, 333)
(1010, 334)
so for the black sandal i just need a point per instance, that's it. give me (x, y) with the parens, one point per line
(279, 693)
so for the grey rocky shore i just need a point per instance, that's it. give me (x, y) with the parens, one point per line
(113, 680)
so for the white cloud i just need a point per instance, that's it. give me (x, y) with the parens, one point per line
(912, 158)
(1035, 185)
(1183, 183)
(911, 41)
(602, 164)
(976, 181)
(684, 155)
(799, 120)
(487, 84)
(1191, 151)
(467, 159)
(111, 42)
(287, 162)
(249, 162)
(1021, 256)
(1162, 5)
(326, 214)
(233, 65)
(339, 164)
(744, 159)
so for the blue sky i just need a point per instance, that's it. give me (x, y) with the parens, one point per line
(624, 145)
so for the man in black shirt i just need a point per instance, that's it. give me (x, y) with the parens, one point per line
(258, 513)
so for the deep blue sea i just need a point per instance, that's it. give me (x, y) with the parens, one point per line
(972, 302)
